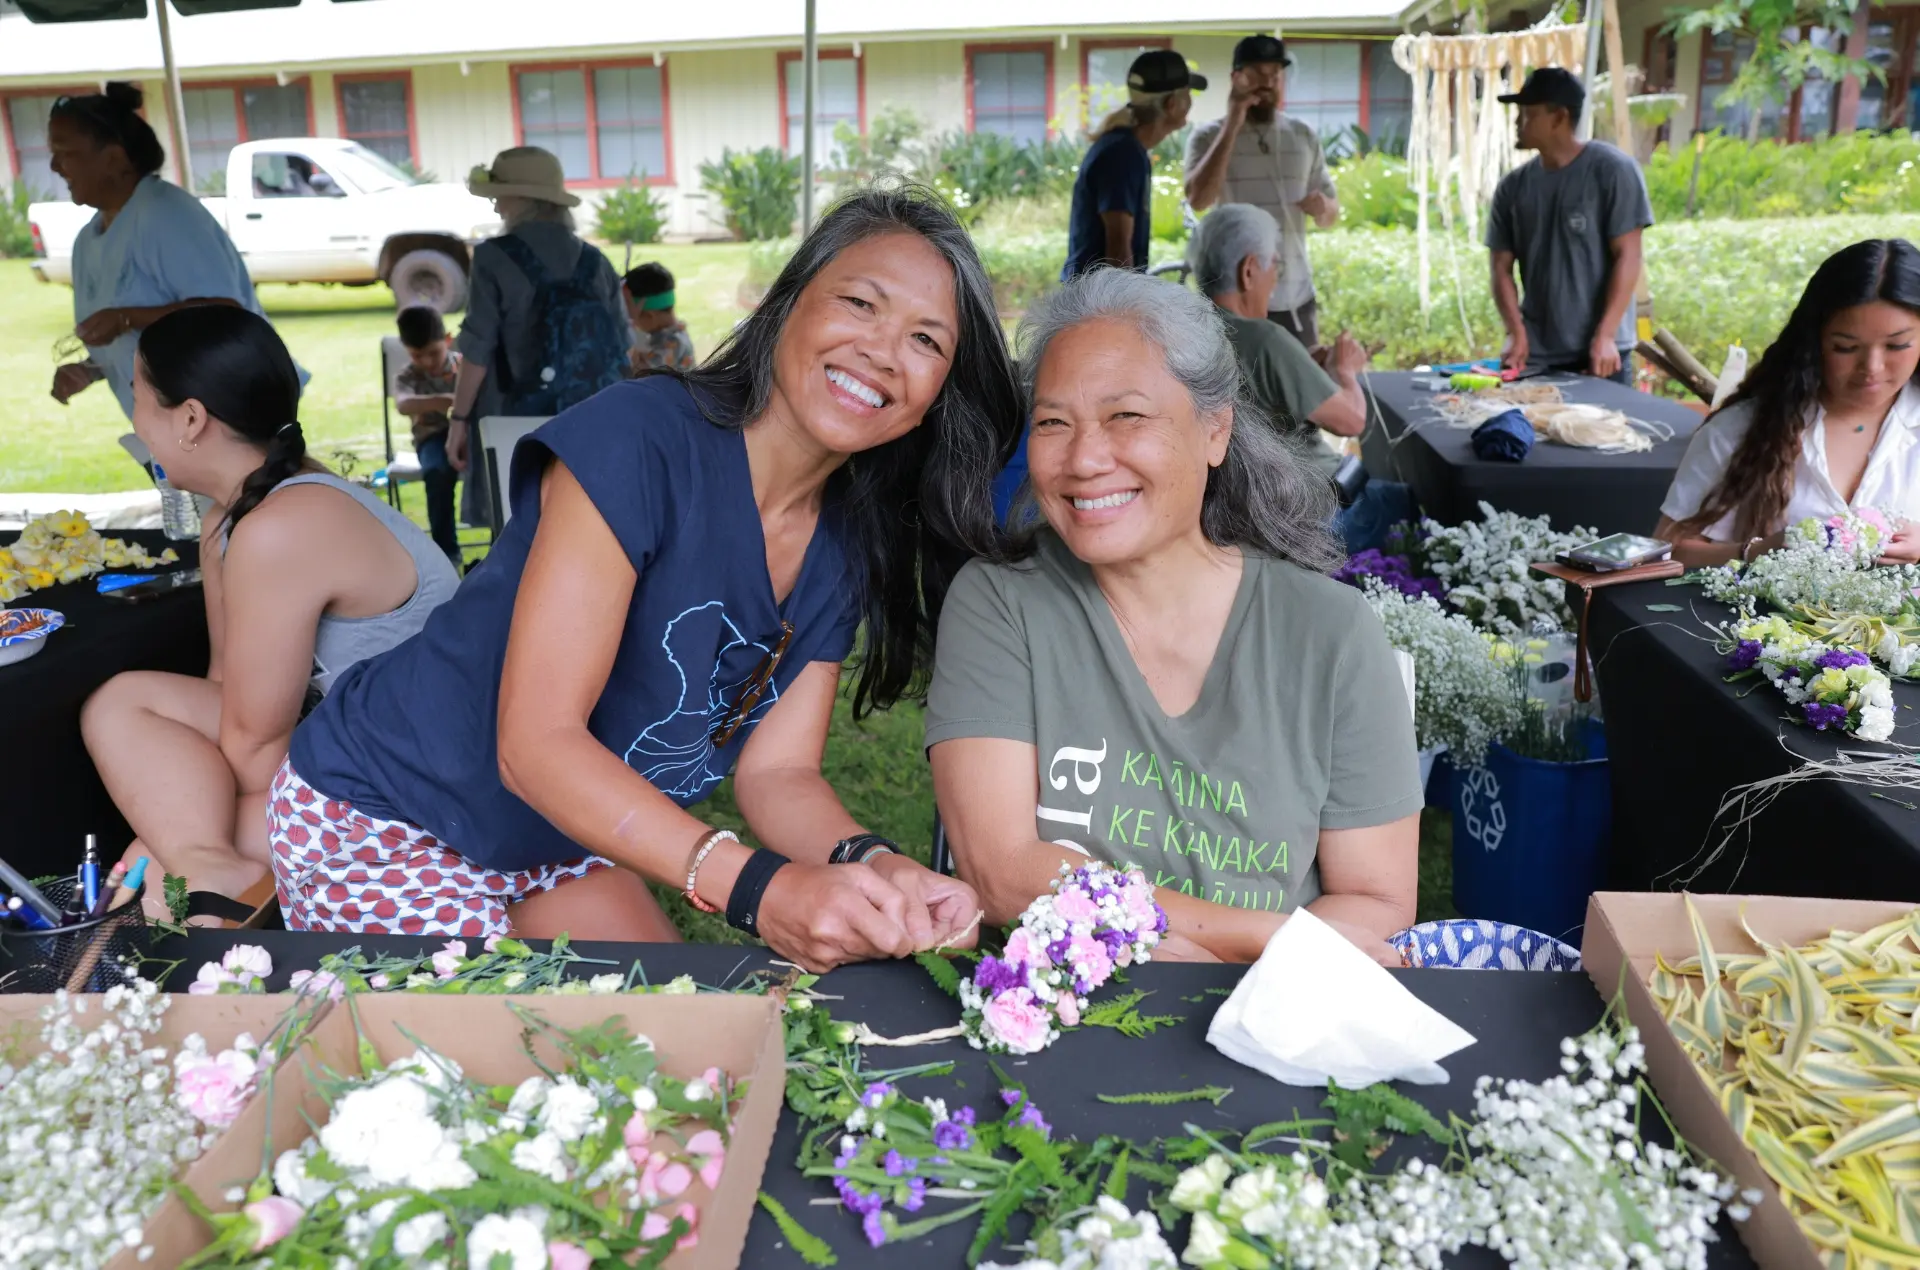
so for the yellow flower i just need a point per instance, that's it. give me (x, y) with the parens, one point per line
(7, 564)
(38, 578)
(1830, 682)
(68, 524)
(169, 556)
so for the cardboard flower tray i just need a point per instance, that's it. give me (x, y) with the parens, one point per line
(1623, 933)
(741, 1035)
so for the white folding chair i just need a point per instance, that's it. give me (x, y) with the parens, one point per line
(393, 360)
(498, 435)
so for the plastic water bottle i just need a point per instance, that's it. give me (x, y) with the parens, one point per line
(179, 513)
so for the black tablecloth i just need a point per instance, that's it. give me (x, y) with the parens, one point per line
(1613, 493)
(54, 796)
(1519, 1018)
(1679, 737)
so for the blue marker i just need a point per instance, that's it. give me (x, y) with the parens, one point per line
(20, 910)
(90, 875)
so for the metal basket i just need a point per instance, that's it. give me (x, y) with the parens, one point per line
(88, 956)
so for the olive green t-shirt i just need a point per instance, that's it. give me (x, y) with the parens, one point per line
(1283, 380)
(1302, 724)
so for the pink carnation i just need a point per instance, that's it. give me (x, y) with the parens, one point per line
(662, 1177)
(209, 981)
(565, 1256)
(1024, 950)
(656, 1224)
(707, 1147)
(1068, 1007)
(1073, 905)
(446, 962)
(273, 1218)
(318, 982)
(214, 1088)
(1090, 958)
(1019, 1021)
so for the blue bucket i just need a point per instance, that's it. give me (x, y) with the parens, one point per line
(1530, 838)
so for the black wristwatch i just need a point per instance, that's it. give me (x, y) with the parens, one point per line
(860, 849)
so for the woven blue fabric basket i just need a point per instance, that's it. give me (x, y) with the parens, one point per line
(1463, 943)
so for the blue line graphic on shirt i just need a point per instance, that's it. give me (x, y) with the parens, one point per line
(1194, 835)
(675, 753)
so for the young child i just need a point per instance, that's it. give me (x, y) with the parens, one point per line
(663, 342)
(423, 392)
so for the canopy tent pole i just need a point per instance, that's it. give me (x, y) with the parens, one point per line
(810, 61)
(176, 102)
(1593, 67)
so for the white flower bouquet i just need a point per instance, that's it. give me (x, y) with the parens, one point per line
(1463, 690)
(593, 1161)
(1484, 566)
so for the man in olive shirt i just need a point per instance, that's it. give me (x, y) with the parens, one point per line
(1261, 156)
(1235, 256)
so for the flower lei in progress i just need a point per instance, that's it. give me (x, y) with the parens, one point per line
(63, 547)
(1828, 687)
(1067, 945)
(417, 1164)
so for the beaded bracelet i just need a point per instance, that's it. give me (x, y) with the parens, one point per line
(701, 849)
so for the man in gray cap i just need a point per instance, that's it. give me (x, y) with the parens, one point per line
(1258, 155)
(1571, 219)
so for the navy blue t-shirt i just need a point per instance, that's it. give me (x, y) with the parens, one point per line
(411, 734)
(1115, 176)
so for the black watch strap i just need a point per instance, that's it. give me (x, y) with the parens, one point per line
(859, 848)
(743, 905)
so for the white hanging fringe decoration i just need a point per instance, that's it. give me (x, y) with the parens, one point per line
(1460, 142)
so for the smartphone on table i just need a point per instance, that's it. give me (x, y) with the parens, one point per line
(1616, 552)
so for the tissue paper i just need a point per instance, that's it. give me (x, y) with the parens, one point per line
(1315, 1008)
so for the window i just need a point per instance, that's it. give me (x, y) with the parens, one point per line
(839, 98)
(607, 123)
(1721, 57)
(1388, 112)
(1103, 72)
(1323, 86)
(378, 113)
(292, 176)
(1883, 50)
(220, 117)
(26, 119)
(1010, 90)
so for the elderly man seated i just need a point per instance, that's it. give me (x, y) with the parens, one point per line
(1235, 255)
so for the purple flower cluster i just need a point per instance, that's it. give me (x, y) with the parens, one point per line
(875, 1094)
(1744, 655)
(994, 976)
(954, 1134)
(1395, 571)
(1841, 658)
(1821, 717)
(866, 1203)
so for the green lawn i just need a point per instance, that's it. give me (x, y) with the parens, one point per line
(877, 766)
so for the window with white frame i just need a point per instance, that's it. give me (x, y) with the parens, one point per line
(836, 101)
(1009, 93)
(32, 162)
(374, 113)
(553, 116)
(1323, 85)
(1107, 77)
(630, 122)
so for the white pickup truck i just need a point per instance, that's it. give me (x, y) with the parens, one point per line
(320, 209)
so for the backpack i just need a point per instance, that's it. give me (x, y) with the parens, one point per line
(583, 346)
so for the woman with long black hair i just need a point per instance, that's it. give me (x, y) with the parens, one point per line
(304, 574)
(687, 562)
(1828, 420)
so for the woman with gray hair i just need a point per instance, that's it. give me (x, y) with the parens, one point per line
(1164, 676)
(508, 353)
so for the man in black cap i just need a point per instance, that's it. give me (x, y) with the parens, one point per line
(1258, 155)
(1572, 219)
(1111, 220)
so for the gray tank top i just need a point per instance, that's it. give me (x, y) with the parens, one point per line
(341, 641)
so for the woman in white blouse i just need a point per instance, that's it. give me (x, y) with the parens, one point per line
(1828, 420)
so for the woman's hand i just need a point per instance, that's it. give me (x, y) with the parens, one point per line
(821, 916)
(1904, 547)
(942, 912)
(1367, 942)
(104, 327)
(72, 378)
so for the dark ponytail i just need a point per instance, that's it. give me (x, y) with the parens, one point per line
(232, 362)
(113, 118)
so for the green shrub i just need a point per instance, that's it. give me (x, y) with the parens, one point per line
(1864, 172)
(758, 191)
(972, 169)
(16, 235)
(630, 214)
(892, 147)
(1375, 190)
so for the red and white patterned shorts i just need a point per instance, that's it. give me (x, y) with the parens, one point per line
(338, 869)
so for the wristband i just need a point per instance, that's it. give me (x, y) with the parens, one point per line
(859, 849)
(701, 850)
(743, 906)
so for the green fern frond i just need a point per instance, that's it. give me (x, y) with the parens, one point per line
(812, 1249)
(942, 971)
(1215, 1094)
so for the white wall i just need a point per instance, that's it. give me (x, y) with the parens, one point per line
(461, 120)
(927, 77)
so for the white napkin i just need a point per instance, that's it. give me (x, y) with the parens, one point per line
(1315, 1008)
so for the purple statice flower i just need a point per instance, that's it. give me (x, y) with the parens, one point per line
(994, 976)
(896, 1165)
(1011, 1096)
(870, 1226)
(857, 1200)
(1822, 717)
(1160, 923)
(964, 1115)
(1031, 1118)
(1057, 951)
(916, 1195)
(1744, 655)
(848, 1149)
(875, 1094)
(952, 1135)
(1841, 658)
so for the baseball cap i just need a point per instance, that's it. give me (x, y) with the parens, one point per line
(1550, 86)
(1260, 48)
(1163, 71)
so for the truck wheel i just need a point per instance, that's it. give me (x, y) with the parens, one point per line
(431, 278)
